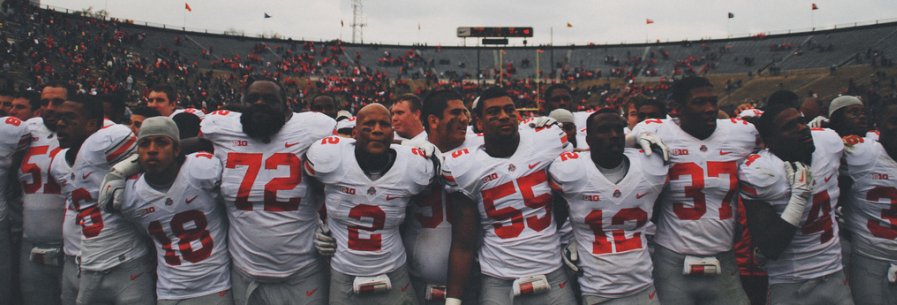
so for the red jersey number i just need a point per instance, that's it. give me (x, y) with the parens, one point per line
(695, 191)
(886, 227)
(502, 215)
(186, 236)
(253, 162)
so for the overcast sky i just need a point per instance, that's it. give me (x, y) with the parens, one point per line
(598, 21)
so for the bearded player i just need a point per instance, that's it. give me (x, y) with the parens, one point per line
(610, 192)
(790, 191)
(272, 213)
(499, 192)
(368, 184)
(693, 261)
(870, 216)
(175, 201)
(41, 200)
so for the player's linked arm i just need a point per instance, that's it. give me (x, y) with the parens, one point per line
(465, 232)
(769, 231)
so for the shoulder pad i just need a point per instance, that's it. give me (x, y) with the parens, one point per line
(827, 139)
(567, 167)
(757, 171)
(218, 121)
(205, 168)
(14, 135)
(652, 165)
(109, 145)
(456, 163)
(417, 164)
(325, 156)
(649, 125)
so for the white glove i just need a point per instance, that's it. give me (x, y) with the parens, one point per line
(543, 121)
(648, 142)
(818, 122)
(452, 301)
(111, 197)
(801, 180)
(571, 258)
(324, 243)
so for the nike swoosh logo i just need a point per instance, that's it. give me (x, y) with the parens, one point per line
(406, 287)
(311, 292)
(829, 177)
(723, 153)
(288, 145)
(84, 176)
(191, 199)
(135, 276)
(390, 197)
(639, 196)
(531, 166)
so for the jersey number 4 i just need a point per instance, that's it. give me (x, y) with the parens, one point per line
(253, 162)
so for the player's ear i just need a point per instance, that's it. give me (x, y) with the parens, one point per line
(432, 120)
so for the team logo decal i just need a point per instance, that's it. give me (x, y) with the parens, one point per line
(372, 191)
(168, 201)
(617, 194)
(511, 168)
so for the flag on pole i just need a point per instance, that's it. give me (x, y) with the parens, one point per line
(814, 7)
(341, 23)
(731, 15)
(418, 26)
(569, 25)
(649, 21)
(267, 16)
(187, 7)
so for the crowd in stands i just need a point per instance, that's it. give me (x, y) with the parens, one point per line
(109, 56)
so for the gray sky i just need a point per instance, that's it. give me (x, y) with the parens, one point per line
(599, 21)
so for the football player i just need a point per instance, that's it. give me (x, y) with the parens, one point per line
(693, 260)
(175, 201)
(115, 267)
(367, 185)
(14, 140)
(790, 191)
(610, 192)
(870, 216)
(272, 213)
(499, 192)
(40, 258)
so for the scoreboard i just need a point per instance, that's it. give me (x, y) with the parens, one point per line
(464, 32)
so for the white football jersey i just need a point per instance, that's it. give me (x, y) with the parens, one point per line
(14, 138)
(871, 205)
(108, 239)
(815, 249)
(198, 113)
(428, 233)
(61, 172)
(272, 214)
(364, 215)
(41, 199)
(514, 202)
(188, 227)
(698, 205)
(609, 219)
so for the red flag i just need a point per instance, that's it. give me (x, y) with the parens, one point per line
(814, 7)
(649, 21)
(187, 7)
